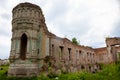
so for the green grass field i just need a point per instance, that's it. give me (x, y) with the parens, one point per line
(108, 72)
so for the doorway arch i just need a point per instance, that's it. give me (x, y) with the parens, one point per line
(23, 46)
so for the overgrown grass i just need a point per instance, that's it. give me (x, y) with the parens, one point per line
(3, 72)
(109, 72)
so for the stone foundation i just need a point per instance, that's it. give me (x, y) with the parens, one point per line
(23, 70)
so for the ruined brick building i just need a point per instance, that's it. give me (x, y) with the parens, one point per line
(35, 49)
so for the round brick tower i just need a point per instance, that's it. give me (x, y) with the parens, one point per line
(28, 23)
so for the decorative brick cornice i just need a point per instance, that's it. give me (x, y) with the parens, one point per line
(26, 4)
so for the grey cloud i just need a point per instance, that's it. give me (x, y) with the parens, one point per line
(4, 33)
(4, 51)
(3, 3)
(58, 8)
(97, 44)
(116, 30)
(76, 29)
(5, 16)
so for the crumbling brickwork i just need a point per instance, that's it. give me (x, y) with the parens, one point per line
(34, 49)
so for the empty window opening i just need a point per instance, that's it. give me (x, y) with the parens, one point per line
(69, 53)
(80, 52)
(52, 50)
(89, 67)
(77, 54)
(82, 67)
(23, 47)
(38, 51)
(61, 52)
(87, 54)
(93, 54)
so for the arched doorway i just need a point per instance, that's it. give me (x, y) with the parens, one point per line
(23, 47)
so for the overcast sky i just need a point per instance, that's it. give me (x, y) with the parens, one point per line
(90, 21)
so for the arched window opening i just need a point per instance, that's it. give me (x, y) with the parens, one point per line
(23, 47)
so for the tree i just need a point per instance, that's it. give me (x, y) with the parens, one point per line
(74, 40)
